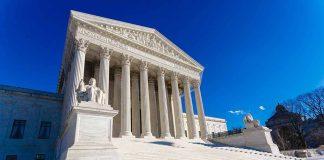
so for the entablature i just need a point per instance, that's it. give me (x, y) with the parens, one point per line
(120, 45)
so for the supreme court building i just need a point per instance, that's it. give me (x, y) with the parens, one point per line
(140, 78)
(142, 73)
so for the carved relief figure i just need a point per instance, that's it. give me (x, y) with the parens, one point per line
(90, 92)
(250, 123)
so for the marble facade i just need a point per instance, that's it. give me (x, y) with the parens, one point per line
(141, 72)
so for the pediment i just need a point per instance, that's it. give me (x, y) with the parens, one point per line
(144, 36)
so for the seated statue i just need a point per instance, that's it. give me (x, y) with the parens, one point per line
(250, 123)
(90, 92)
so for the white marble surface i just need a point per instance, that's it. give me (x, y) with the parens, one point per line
(179, 149)
(89, 128)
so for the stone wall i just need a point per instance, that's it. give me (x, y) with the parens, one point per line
(255, 138)
(34, 107)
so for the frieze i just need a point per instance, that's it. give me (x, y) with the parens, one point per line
(117, 43)
(146, 39)
(149, 40)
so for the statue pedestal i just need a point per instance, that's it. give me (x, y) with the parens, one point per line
(88, 132)
(260, 138)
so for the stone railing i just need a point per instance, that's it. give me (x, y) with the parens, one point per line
(304, 152)
(226, 133)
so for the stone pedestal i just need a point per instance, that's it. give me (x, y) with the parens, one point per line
(88, 133)
(260, 139)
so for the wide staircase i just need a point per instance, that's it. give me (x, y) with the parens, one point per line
(176, 149)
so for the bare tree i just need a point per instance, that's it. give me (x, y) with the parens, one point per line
(296, 122)
(313, 104)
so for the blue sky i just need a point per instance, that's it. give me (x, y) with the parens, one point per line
(255, 52)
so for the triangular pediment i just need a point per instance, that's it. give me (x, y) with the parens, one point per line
(144, 36)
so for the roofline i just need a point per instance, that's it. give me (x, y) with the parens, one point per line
(77, 14)
(32, 92)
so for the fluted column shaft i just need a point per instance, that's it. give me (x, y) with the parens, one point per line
(75, 75)
(153, 108)
(165, 130)
(170, 111)
(104, 73)
(200, 109)
(180, 132)
(96, 72)
(136, 121)
(116, 101)
(189, 110)
(125, 98)
(145, 102)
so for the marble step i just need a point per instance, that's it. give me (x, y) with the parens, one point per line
(157, 149)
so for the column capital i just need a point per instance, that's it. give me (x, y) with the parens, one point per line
(161, 71)
(174, 76)
(196, 83)
(81, 45)
(105, 53)
(126, 59)
(186, 80)
(143, 66)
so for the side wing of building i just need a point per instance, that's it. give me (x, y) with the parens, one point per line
(30, 122)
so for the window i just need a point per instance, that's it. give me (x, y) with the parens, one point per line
(45, 130)
(40, 157)
(18, 128)
(11, 157)
(199, 134)
(186, 133)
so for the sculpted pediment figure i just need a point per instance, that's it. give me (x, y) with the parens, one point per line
(140, 35)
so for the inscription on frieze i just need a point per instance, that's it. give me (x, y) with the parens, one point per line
(131, 49)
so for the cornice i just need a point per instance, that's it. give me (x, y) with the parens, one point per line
(96, 21)
(90, 27)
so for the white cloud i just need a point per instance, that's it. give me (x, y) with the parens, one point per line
(262, 108)
(237, 112)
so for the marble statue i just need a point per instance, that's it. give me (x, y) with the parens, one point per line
(250, 123)
(90, 92)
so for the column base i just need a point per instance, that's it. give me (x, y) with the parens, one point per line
(194, 137)
(166, 136)
(181, 137)
(126, 134)
(147, 135)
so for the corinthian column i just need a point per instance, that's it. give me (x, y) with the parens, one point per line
(145, 102)
(104, 72)
(180, 133)
(189, 110)
(200, 109)
(136, 120)
(153, 108)
(125, 107)
(165, 130)
(116, 101)
(76, 74)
